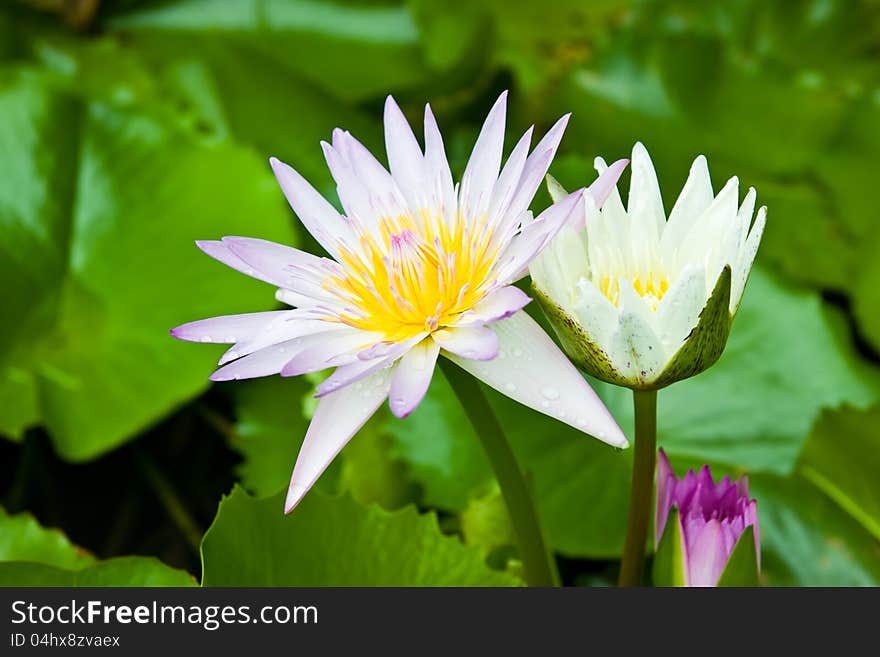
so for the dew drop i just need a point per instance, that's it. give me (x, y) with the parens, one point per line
(517, 352)
(545, 404)
(206, 338)
(510, 387)
(550, 392)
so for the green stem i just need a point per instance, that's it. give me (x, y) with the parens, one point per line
(642, 490)
(169, 498)
(539, 567)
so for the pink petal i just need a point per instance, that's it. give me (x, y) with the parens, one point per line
(412, 378)
(536, 373)
(665, 488)
(602, 186)
(471, 342)
(227, 328)
(338, 417)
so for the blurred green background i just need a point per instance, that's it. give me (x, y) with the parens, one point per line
(129, 129)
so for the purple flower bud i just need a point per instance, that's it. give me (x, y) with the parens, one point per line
(712, 516)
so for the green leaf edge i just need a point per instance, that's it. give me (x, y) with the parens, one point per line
(668, 569)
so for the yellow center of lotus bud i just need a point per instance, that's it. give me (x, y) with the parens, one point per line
(651, 287)
(414, 274)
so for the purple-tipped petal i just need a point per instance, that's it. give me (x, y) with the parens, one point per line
(326, 350)
(412, 377)
(338, 417)
(285, 266)
(361, 368)
(536, 373)
(602, 186)
(226, 329)
(220, 251)
(264, 362)
(713, 517)
(536, 166)
(471, 342)
(497, 305)
(514, 261)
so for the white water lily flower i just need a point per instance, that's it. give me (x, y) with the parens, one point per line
(418, 268)
(640, 301)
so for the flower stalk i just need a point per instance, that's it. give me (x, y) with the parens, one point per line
(642, 489)
(538, 564)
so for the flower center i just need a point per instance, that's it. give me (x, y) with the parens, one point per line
(651, 287)
(413, 274)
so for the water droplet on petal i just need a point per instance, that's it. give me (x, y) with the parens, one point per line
(517, 352)
(206, 338)
(550, 392)
(510, 387)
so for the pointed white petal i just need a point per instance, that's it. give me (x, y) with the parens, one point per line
(484, 164)
(645, 205)
(747, 259)
(405, 157)
(442, 189)
(265, 362)
(679, 310)
(319, 217)
(634, 347)
(595, 313)
(412, 376)
(535, 373)
(508, 181)
(473, 342)
(536, 166)
(695, 197)
(338, 417)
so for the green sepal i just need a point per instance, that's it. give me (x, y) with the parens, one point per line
(704, 346)
(583, 351)
(742, 566)
(669, 562)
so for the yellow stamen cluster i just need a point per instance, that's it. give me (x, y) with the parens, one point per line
(414, 274)
(651, 288)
